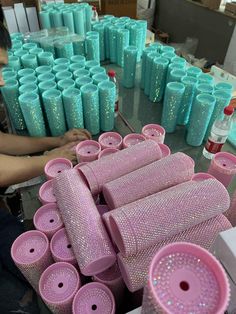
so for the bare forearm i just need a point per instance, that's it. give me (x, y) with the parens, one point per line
(19, 169)
(22, 145)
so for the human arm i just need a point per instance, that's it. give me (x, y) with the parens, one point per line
(21, 145)
(15, 170)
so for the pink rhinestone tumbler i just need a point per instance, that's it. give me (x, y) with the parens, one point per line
(223, 167)
(58, 286)
(87, 151)
(231, 213)
(155, 177)
(133, 139)
(134, 269)
(113, 280)
(56, 166)
(166, 213)
(110, 140)
(154, 132)
(184, 278)
(94, 298)
(84, 226)
(46, 193)
(47, 219)
(165, 150)
(107, 152)
(116, 165)
(31, 254)
(61, 248)
(201, 176)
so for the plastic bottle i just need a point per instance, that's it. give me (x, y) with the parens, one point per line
(95, 17)
(219, 133)
(112, 76)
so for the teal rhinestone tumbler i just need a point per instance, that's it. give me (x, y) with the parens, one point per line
(190, 83)
(222, 100)
(73, 108)
(92, 33)
(33, 115)
(156, 45)
(171, 67)
(28, 88)
(59, 68)
(90, 64)
(10, 93)
(63, 75)
(98, 78)
(25, 72)
(35, 51)
(79, 21)
(90, 98)
(79, 82)
(172, 101)
(149, 61)
(75, 67)
(14, 62)
(200, 117)
(100, 29)
(78, 59)
(43, 69)
(205, 79)
(28, 80)
(46, 58)
(7, 75)
(176, 75)
(158, 79)
(97, 70)
(81, 73)
(179, 60)
(113, 43)
(107, 43)
(55, 112)
(29, 61)
(57, 18)
(144, 64)
(16, 44)
(69, 20)
(92, 48)
(223, 86)
(44, 18)
(63, 61)
(29, 46)
(107, 98)
(64, 49)
(79, 47)
(129, 71)
(194, 71)
(204, 88)
(43, 86)
(88, 13)
(19, 53)
(167, 49)
(123, 37)
(136, 39)
(143, 24)
(46, 77)
(66, 83)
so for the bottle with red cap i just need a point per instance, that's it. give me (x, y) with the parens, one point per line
(219, 133)
(112, 77)
(95, 17)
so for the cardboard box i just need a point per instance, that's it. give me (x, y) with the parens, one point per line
(230, 7)
(211, 4)
(120, 7)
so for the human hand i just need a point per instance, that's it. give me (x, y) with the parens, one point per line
(65, 151)
(75, 135)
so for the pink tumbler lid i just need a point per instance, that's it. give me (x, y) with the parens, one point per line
(61, 248)
(46, 194)
(29, 247)
(165, 150)
(56, 166)
(133, 139)
(154, 132)
(88, 151)
(201, 176)
(48, 219)
(225, 163)
(185, 278)
(59, 283)
(110, 140)
(77, 167)
(107, 151)
(93, 298)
